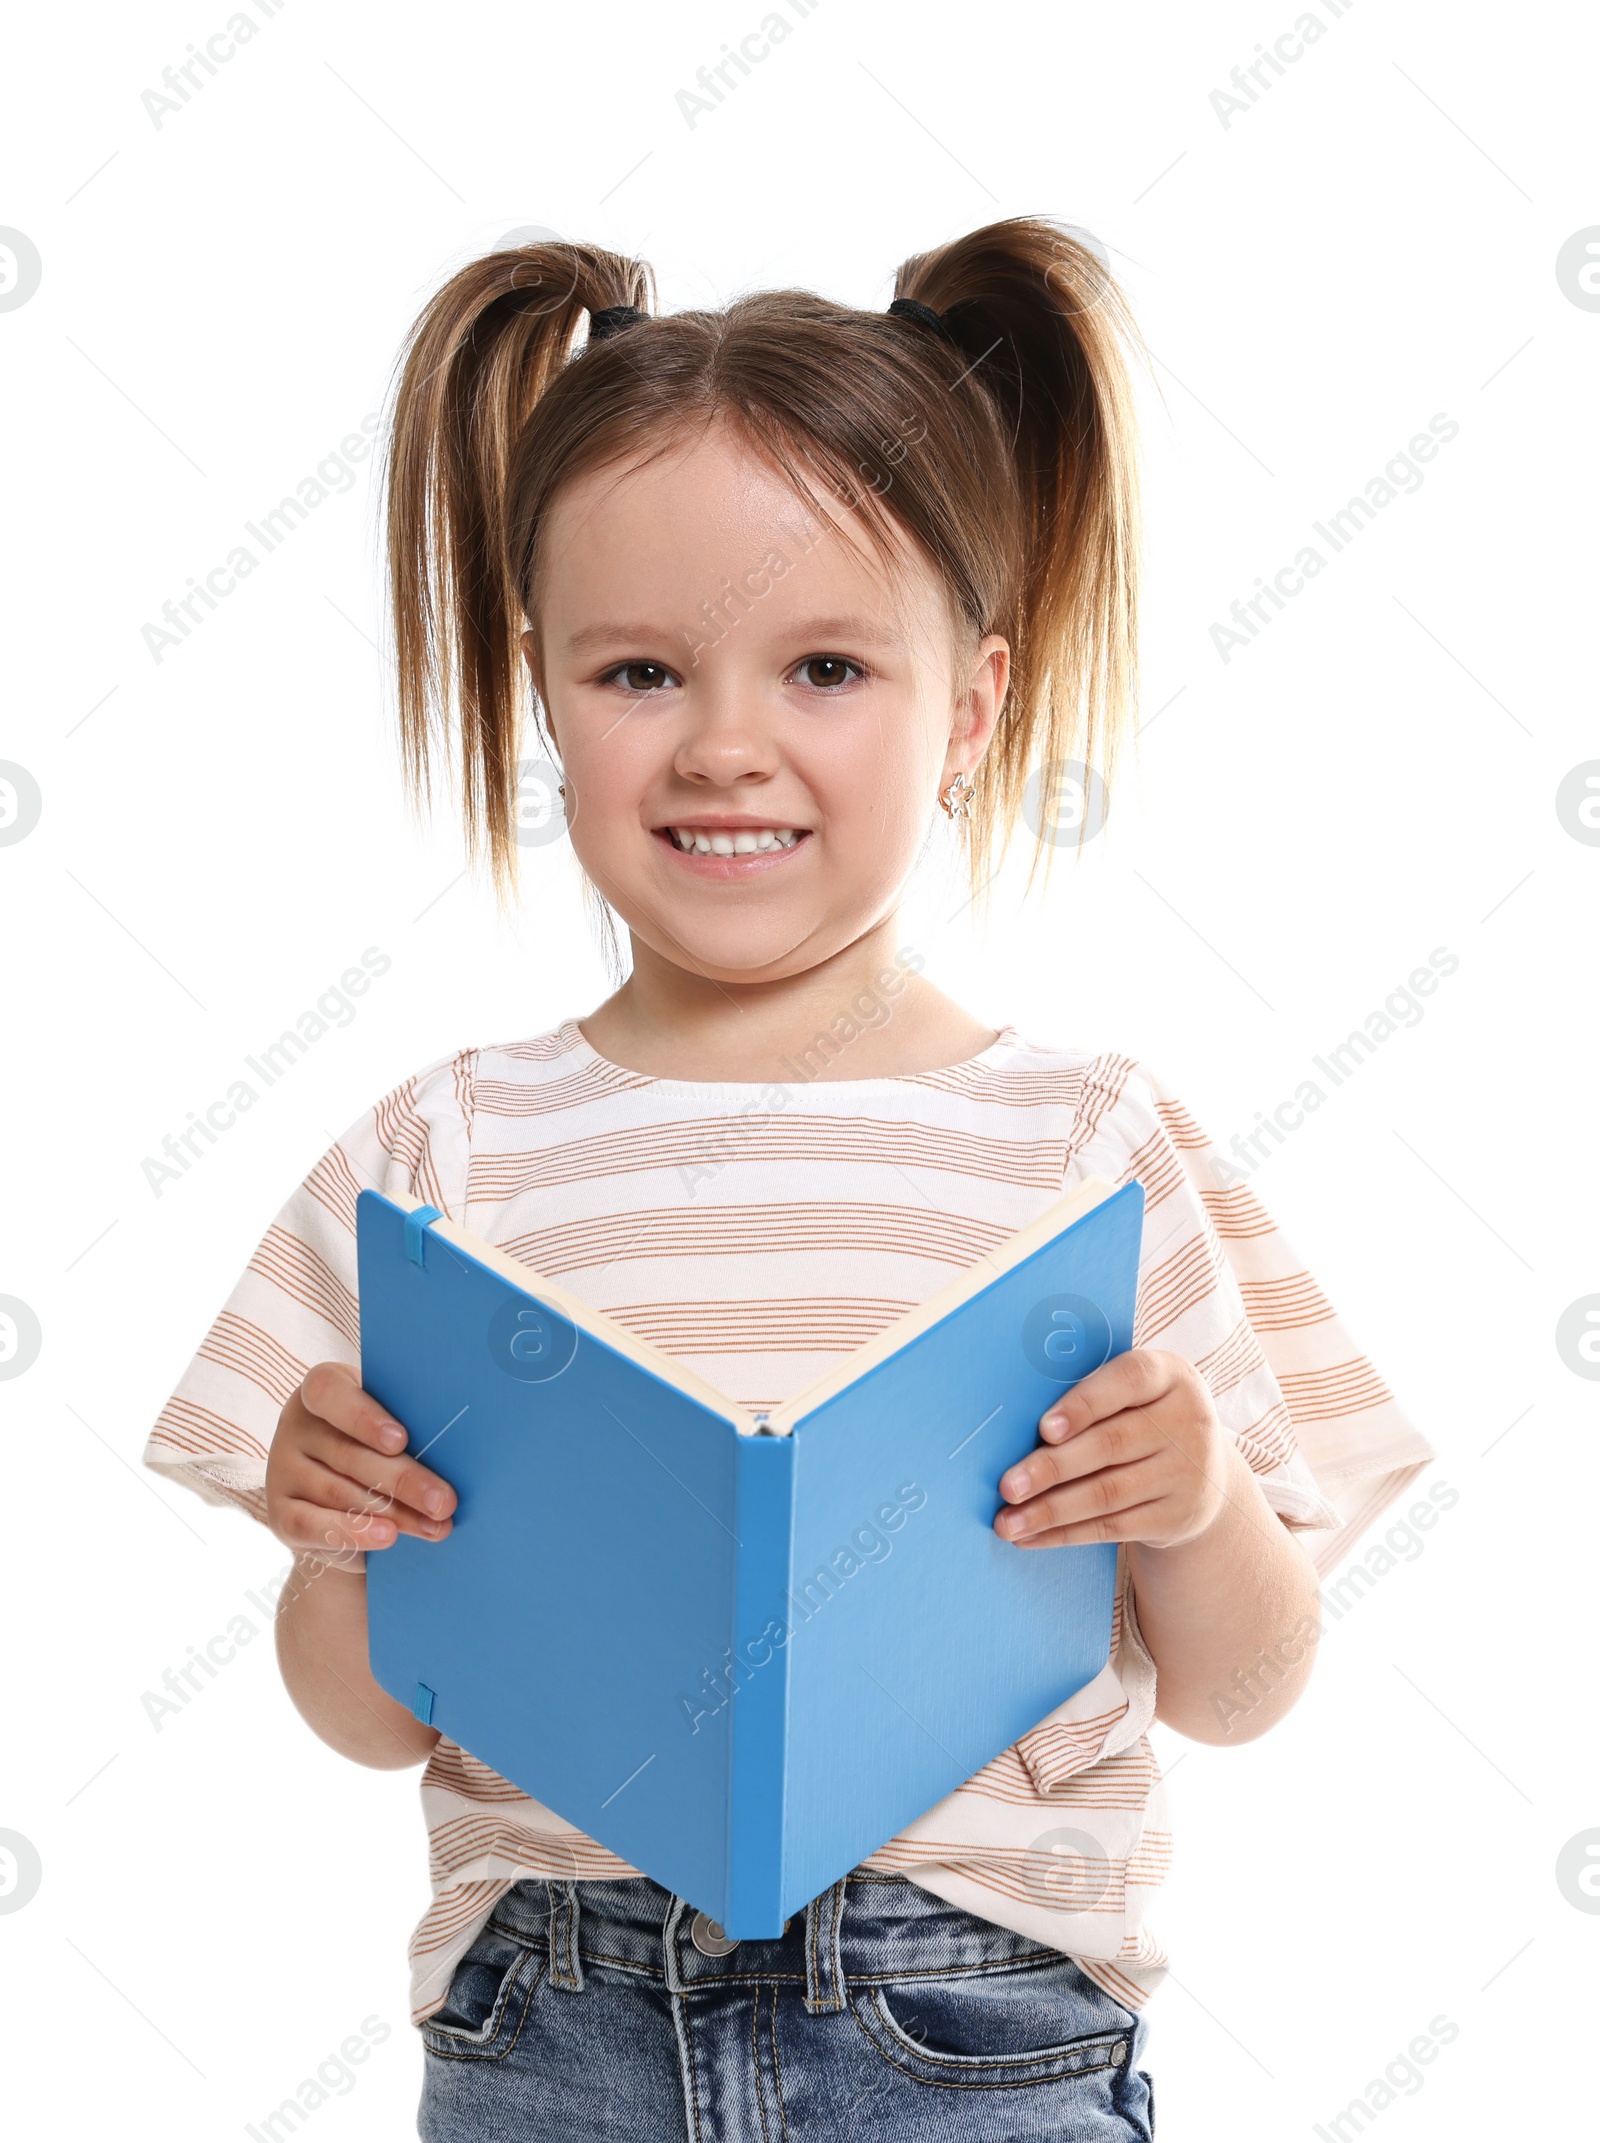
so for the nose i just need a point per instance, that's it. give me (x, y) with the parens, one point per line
(726, 740)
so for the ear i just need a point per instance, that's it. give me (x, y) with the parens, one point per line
(530, 653)
(977, 708)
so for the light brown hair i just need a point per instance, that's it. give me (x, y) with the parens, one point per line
(1019, 484)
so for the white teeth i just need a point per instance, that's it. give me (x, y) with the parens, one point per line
(693, 841)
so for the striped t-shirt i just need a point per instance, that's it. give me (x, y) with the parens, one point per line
(758, 1232)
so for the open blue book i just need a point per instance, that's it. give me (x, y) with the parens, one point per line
(742, 1651)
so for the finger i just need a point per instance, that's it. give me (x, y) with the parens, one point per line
(303, 1524)
(402, 1479)
(1118, 1441)
(332, 1392)
(1137, 1378)
(321, 1484)
(1100, 1495)
(1144, 1521)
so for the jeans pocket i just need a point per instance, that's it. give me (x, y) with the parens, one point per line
(490, 1991)
(998, 2029)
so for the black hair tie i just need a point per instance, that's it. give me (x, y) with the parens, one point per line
(914, 309)
(612, 319)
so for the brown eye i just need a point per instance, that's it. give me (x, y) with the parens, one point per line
(831, 670)
(639, 676)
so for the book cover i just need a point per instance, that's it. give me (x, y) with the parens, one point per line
(742, 1652)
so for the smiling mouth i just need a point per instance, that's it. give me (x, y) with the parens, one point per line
(691, 840)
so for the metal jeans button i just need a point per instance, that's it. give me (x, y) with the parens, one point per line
(708, 1938)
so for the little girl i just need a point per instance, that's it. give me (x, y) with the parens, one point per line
(786, 579)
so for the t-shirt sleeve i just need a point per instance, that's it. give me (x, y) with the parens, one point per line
(295, 1303)
(1220, 1285)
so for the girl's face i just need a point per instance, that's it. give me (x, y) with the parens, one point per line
(753, 724)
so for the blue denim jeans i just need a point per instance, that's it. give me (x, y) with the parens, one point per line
(587, 2012)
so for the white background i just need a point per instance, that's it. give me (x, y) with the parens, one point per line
(222, 833)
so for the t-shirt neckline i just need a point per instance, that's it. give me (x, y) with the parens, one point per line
(1005, 1041)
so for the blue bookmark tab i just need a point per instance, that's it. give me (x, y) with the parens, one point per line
(422, 1703)
(415, 1223)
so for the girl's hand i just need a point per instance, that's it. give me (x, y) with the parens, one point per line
(333, 1480)
(1134, 1452)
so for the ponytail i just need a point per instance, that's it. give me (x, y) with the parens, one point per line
(1038, 320)
(483, 353)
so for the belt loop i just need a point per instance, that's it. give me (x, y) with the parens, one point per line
(566, 1967)
(670, 1930)
(825, 1981)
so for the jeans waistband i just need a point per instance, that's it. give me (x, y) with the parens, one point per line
(865, 1928)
